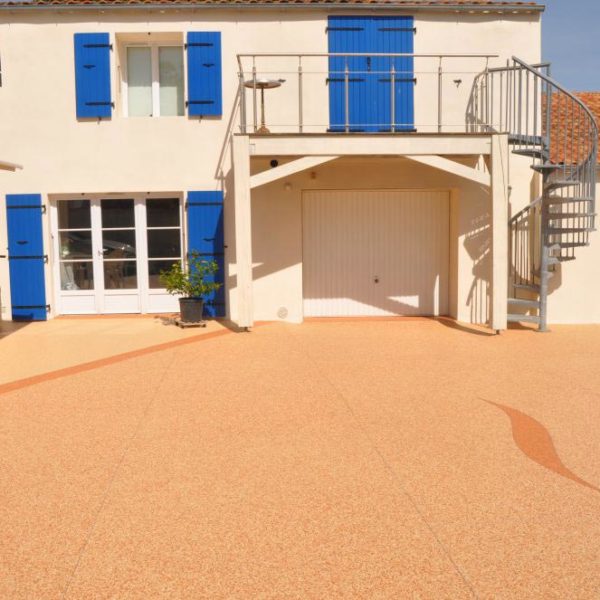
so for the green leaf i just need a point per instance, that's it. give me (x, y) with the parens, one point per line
(193, 280)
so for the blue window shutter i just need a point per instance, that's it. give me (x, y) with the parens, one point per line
(395, 35)
(369, 87)
(347, 34)
(205, 235)
(205, 95)
(26, 257)
(92, 75)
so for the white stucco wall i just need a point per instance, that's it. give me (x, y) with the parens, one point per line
(61, 155)
(277, 230)
(575, 288)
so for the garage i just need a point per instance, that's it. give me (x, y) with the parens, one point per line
(375, 253)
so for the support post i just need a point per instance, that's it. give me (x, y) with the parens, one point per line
(440, 84)
(243, 230)
(499, 232)
(243, 123)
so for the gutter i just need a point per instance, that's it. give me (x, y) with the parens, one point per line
(337, 5)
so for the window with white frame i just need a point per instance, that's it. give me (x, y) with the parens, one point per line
(163, 230)
(154, 82)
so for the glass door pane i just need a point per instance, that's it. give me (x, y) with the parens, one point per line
(119, 244)
(75, 245)
(139, 82)
(170, 74)
(163, 237)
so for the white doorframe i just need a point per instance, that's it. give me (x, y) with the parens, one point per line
(100, 300)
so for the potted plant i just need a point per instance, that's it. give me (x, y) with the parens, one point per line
(192, 283)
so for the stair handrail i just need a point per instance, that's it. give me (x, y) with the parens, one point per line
(592, 157)
(523, 211)
(556, 84)
(520, 99)
(558, 131)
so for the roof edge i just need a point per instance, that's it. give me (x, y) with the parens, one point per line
(416, 6)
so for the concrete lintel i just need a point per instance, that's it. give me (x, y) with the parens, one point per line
(451, 166)
(301, 164)
(499, 232)
(369, 145)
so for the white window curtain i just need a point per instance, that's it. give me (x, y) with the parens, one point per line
(170, 69)
(155, 81)
(139, 82)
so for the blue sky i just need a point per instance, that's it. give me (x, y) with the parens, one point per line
(571, 29)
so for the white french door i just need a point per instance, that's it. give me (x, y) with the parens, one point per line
(109, 252)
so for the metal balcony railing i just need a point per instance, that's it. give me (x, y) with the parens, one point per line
(357, 92)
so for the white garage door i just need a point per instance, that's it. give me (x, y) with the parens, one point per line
(375, 253)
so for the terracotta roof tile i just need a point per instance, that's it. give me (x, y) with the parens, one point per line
(481, 4)
(570, 127)
(592, 101)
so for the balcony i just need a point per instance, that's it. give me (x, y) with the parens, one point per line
(319, 93)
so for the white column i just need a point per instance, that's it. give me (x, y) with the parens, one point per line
(243, 229)
(499, 231)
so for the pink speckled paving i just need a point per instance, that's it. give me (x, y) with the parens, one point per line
(328, 460)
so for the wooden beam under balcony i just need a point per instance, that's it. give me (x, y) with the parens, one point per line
(454, 168)
(295, 166)
(334, 144)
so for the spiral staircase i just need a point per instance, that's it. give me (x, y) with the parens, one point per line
(555, 129)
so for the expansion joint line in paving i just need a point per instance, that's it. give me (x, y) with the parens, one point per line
(388, 467)
(113, 477)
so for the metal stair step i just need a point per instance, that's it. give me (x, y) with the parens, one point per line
(533, 153)
(557, 200)
(523, 319)
(561, 230)
(524, 303)
(560, 183)
(537, 273)
(529, 287)
(563, 215)
(546, 167)
(526, 140)
(573, 244)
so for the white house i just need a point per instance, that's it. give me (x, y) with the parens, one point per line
(336, 158)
